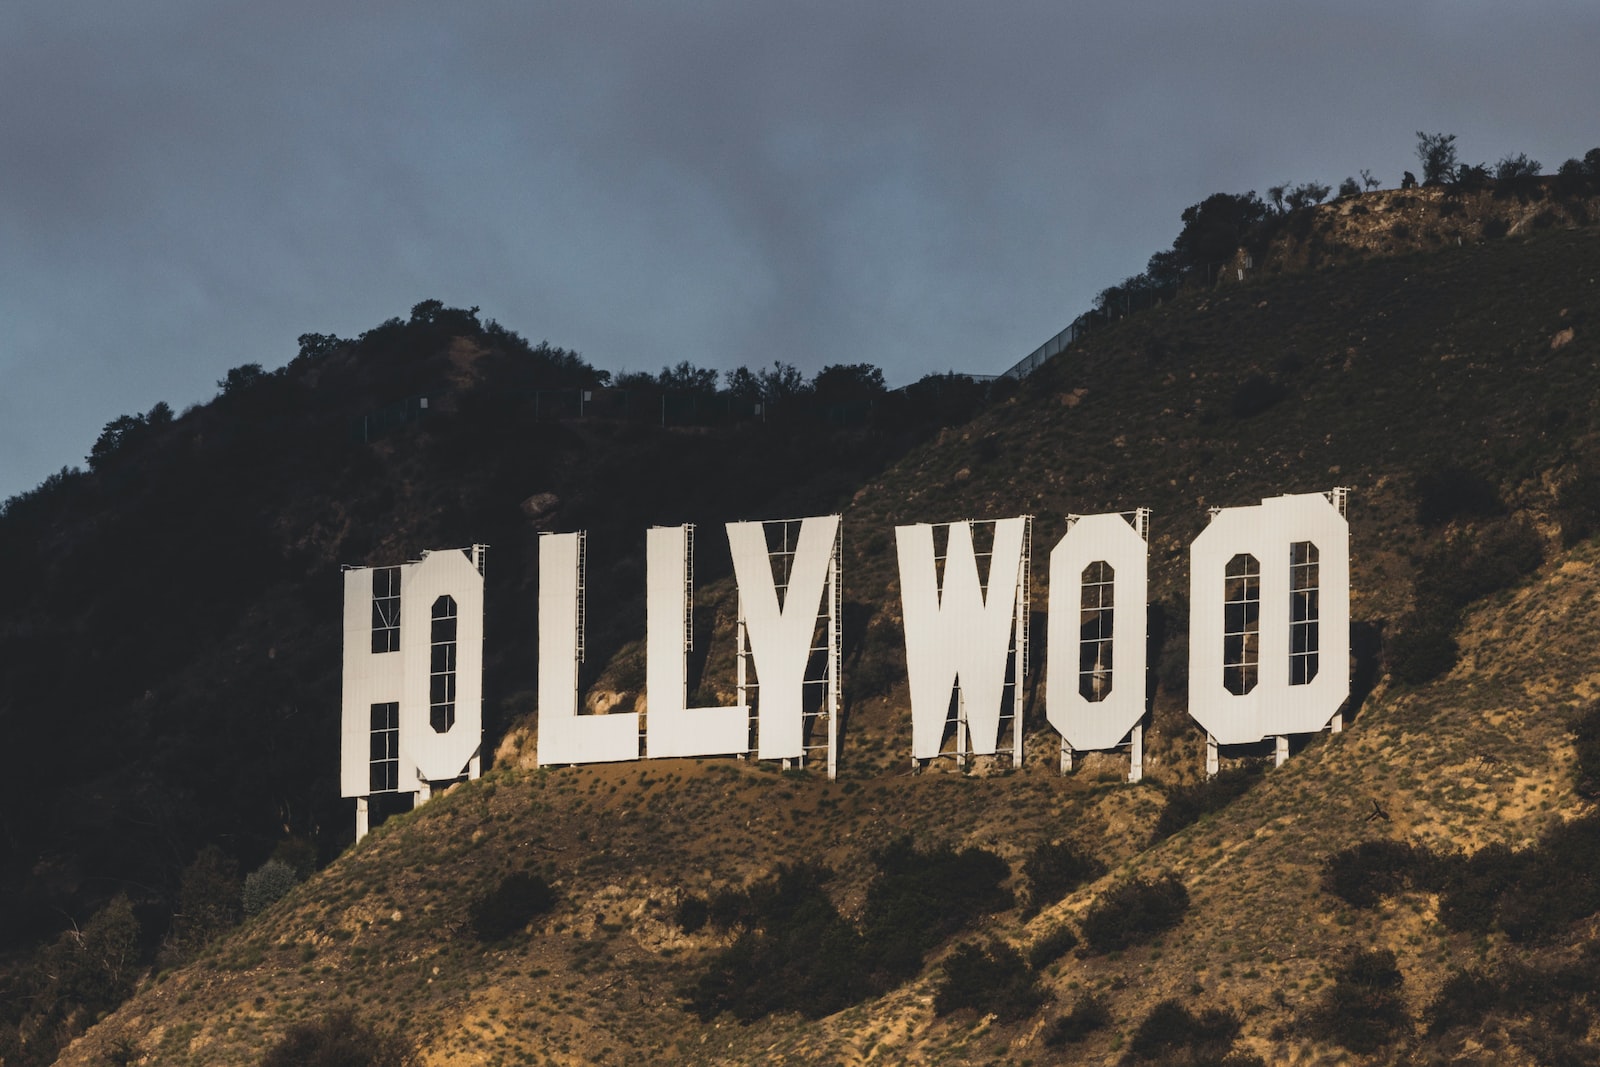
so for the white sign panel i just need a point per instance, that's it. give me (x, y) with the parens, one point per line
(1099, 582)
(564, 735)
(1269, 619)
(957, 631)
(671, 727)
(780, 633)
(413, 674)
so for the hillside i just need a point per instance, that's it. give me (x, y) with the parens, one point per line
(1471, 365)
(599, 981)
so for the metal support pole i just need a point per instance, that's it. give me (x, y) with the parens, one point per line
(961, 729)
(741, 676)
(1280, 754)
(362, 817)
(1211, 756)
(835, 665)
(1066, 757)
(1336, 725)
(1136, 754)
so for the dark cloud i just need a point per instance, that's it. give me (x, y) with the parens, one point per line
(188, 186)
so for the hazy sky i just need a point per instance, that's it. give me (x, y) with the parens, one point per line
(188, 186)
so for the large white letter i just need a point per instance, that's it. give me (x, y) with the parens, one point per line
(412, 702)
(1095, 693)
(369, 752)
(955, 633)
(780, 634)
(1269, 619)
(441, 646)
(564, 735)
(671, 729)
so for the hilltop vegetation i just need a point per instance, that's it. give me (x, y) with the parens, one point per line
(549, 915)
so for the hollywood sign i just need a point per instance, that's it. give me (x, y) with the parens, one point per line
(1269, 608)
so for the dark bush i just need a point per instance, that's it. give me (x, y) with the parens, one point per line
(339, 1039)
(1134, 912)
(988, 980)
(728, 908)
(1530, 894)
(1172, 1033)
(1558, 882)
(1087, 1015)
(692, 914)
(1464, 1000)
(208, 903)
(1468, 567)
(1364, 1010)
(1455, 493)
(1578, 504)
(1472, 888)
(1254, 395)
(796, 952)
(1187, 803)
(1517, 169)
(1051, 947)
(919, 899)
(1366, 873)
(1422, 647)
(508, 907)
(1586, 741)
(1546, 1011)
(799, 954)
(266, 885)
(1054, 869)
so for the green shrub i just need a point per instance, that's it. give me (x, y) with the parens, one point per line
(1051, 947)
(266, 885)
(1055, 869)
(517, 900)
(1134, 912)
(1087, 1015)
(339, 1039)
(988, 980)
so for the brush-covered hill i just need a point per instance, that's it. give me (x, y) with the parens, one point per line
(169, 671)
(690, 915)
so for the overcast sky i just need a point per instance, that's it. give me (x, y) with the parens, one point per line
(189, 186)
